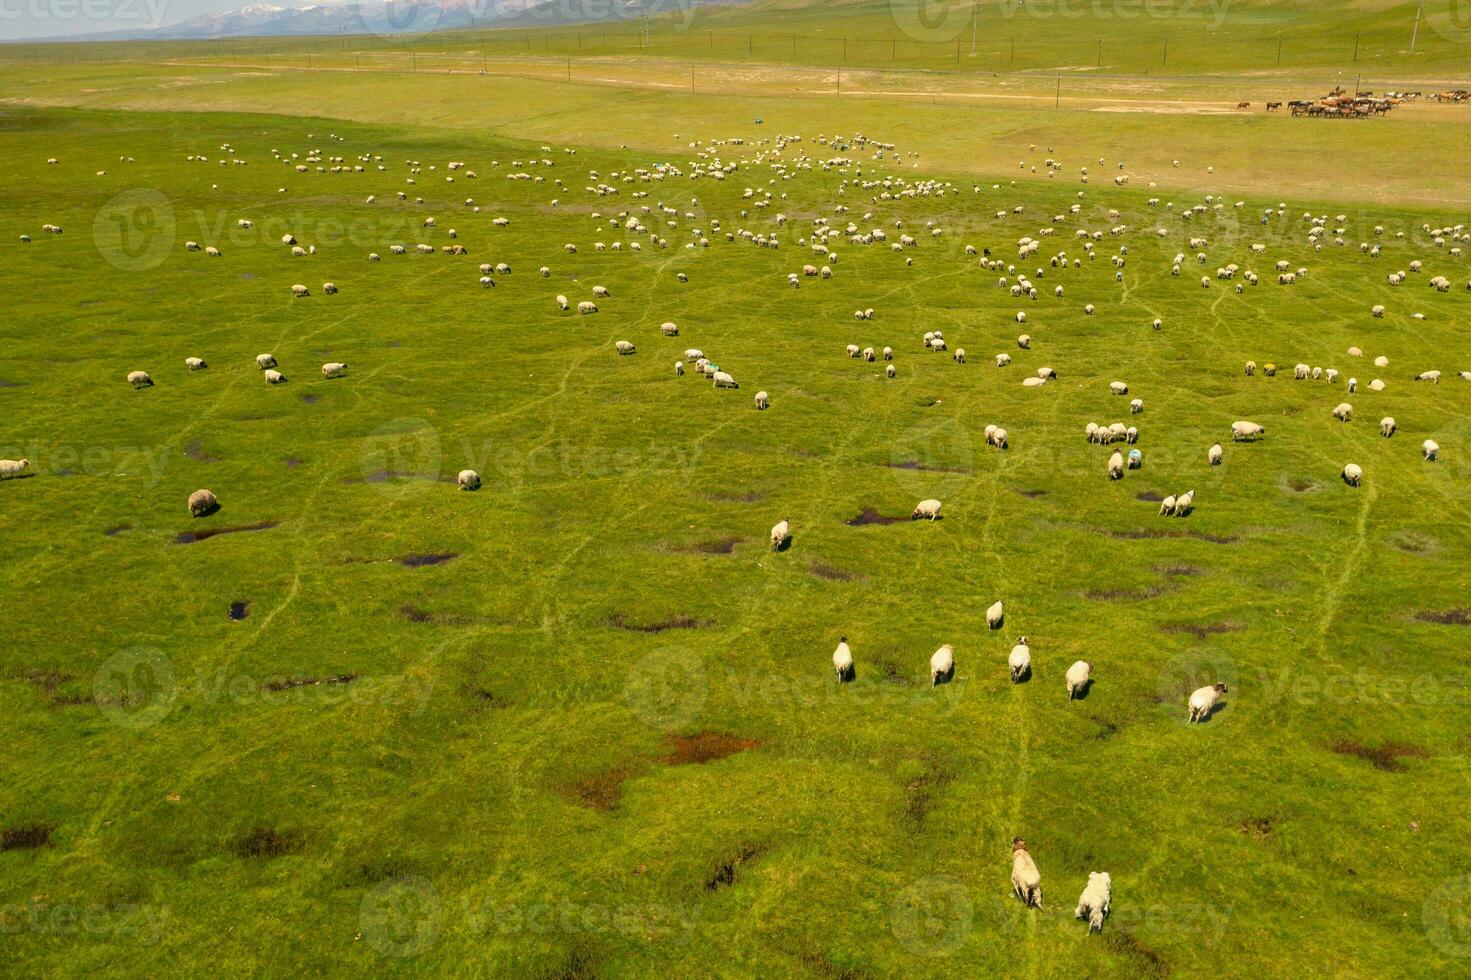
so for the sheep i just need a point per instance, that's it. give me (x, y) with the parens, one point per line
(724, 380)
(889, 371)
(1344, 412)
(1021, 316)
(1213, 455)
(1387, 426)
(669, 329)
(1118, 388)
(334, 369)
(601, 292)
(959, 355)
(1376, 385)
(679, 369)
(1381, 361)
(854, 350)
(1033, 382)
(586, 307)
(1093, 904)
(1046, 374)
(1269, 369)
(1184, 503)
(212, 252)
(1353, 385)
(1332, 375)
(140, 379)
(996, 615)
(330, 288)
(623, 347)
(1026, 880)
(195, 363)
(202, 502)
(264, 361)
(1250, 368)
(561, 302)
(868, 355)
(1024, 342)
(1300, 372)
(468, 480)
(763, 401)
(888, 353)
(843, 660)
(1079, 677)
(1431, 376)
(1352, 474)
(1377, 312)
(545, 272)
(1203, 702)
(1136, 459)
(13, 469)
(1020, 661)
(942, 665)
(1430, 449)
(1116, 466)
(275, 378)
(781, 534)
(299, 291)
(998, 438)
(1136, 406)
(1167, 506)
(692, 354)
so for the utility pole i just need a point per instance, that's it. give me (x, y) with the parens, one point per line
(1100, 52)
(1416, 32)
(975, 13)
(1057, 102)
(1279, 50)
(1356, 48)
(840, 83)
(1166, 60)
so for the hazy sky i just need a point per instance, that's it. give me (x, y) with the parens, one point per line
(20, 19)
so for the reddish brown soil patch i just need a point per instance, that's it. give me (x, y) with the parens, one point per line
(25, 838)
(705, 747)
(1384, 757)
(1451, 617)
(871, 515)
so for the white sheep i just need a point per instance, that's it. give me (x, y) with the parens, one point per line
(561, 302)
(1203, 701)
(1213, 455)
(1353, 474)
(996, 614)
(195, 363)
(854, 350)
(1250, 368)
(1381, 361)
(928, 509)
(330, 288)
(13, 469)
(669, 329)
(1020, 661)
(1343, 412)
(843, 660)
(723, 380)
(998, 437)
(942, 664)
(202, 502)
(601, 292)
(959, 355)
(1184, 503)
(1026, 880)
(1024, 342)
(468, 480)
(1033, 382)
(587, 306)
(1002, 360)
(1093, 904)
(1376, 385)
(1387, 426)
(1136, 406)
(1118, 388)
(781, 534)
(1167, 506)
(1079, 676)
(299, 291)
(889, 370)
(1353, 385)
(139, 379)
(623, 347)
(869, 355)
(1431, 376)
(334, 369)
(1047, 374)
(1431, 450)
(274, 378)
(679, 369)
(763, 401)
(1116, 466)
(264, 361)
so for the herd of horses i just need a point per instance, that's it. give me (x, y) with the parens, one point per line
(1338, 104)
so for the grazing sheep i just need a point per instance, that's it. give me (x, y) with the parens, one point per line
(1344, 412)
(468, 480)
(1331, 374)
(996, 615)
(202, 502)
(724, 380)
(1213, 455)
(601, 292)
(195, 363)
(1079, 677)
(1002, 360)
(264, 361)
(679, 369)
(692, 354)
(212, 252)
(1024, 342)
(13, 469)
(959, 355)
(330, 288)
(1136, 406)
(1033, 382)
(623, 347)
(1020, 660)
(998, 438)
(854, 350)
(1184, 503)
(561, 302)
(587, 306)
(1026, 880)
(299, 291)
(781, 534)
(1430, 449)
(928, 509)
(334, 369)
(869, 355)
(1093, 904)
(1136, 459)
(1431, 376)
(1353, 385)
(763, 401)
(843, 660)
(669, 329)
(1047, 374)
(140, 379)
(1300, 372)
(889, 370)
(1269, 369)
(1381, 361)
(1118, 388)
(1353, 474)
(1116, 466)
(1355, 352)
(1167, 507)
(942, 664)
(1387, 426)
(1250, 368)
(1203, 701)
(275, 378)
(1376, 385)
(1377, 312)
(888, 353)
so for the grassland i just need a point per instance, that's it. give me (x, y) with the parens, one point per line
(582, 722)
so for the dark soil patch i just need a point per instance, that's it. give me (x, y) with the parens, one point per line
(1384, 757)
(414, 614)
(1257, 828)
(1032, 494)
(1106, 731)
(489, 698)
(1201, 630)
(265, 842)
(920, 793)
(914, 464)
(603, 791)
(704, 747)
(1125, 595)
(311, 399)
(1176, 571)
(113, 532)
(189, 537)
(419, 561)
(1146, 961)
(1451, 617)
(736, 498)
(291, 462)
(871, 515)
(725, 872)
(1153, 496)
(239, 610)
(1140, 534)
(1300, 484)
(723, 546)
(11, 384)
(288, 683)
(28, 837)
(680, 622)
(195, 450)
(823, 570)
(384, 476)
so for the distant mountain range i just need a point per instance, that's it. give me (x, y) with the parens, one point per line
(389, 17)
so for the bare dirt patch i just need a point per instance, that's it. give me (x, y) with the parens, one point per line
(239, 610)
(1201, 630)
(1177, 571)
(287, 683)
(1032, 494)
(725, 872)
(1257, 828)
(27, 837)
(870, 515)
(266, 842)
(1141, 534)
(603, 791)
(1450, 617)
(705, 747)
(1152, 496)
(1125, 595)
(189, 537)
(833, 574)
(1384, 757)
(420, 561)
(679, 622)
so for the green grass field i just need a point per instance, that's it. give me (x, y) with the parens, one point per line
(583, 722)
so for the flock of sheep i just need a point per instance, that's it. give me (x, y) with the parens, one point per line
(823, 236)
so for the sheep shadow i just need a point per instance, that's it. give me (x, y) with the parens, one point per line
(209, 511)
(784, 544)
(1081, 694)
(1211, 714)
(944, 678)
(848, 676)
(1023, 677)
